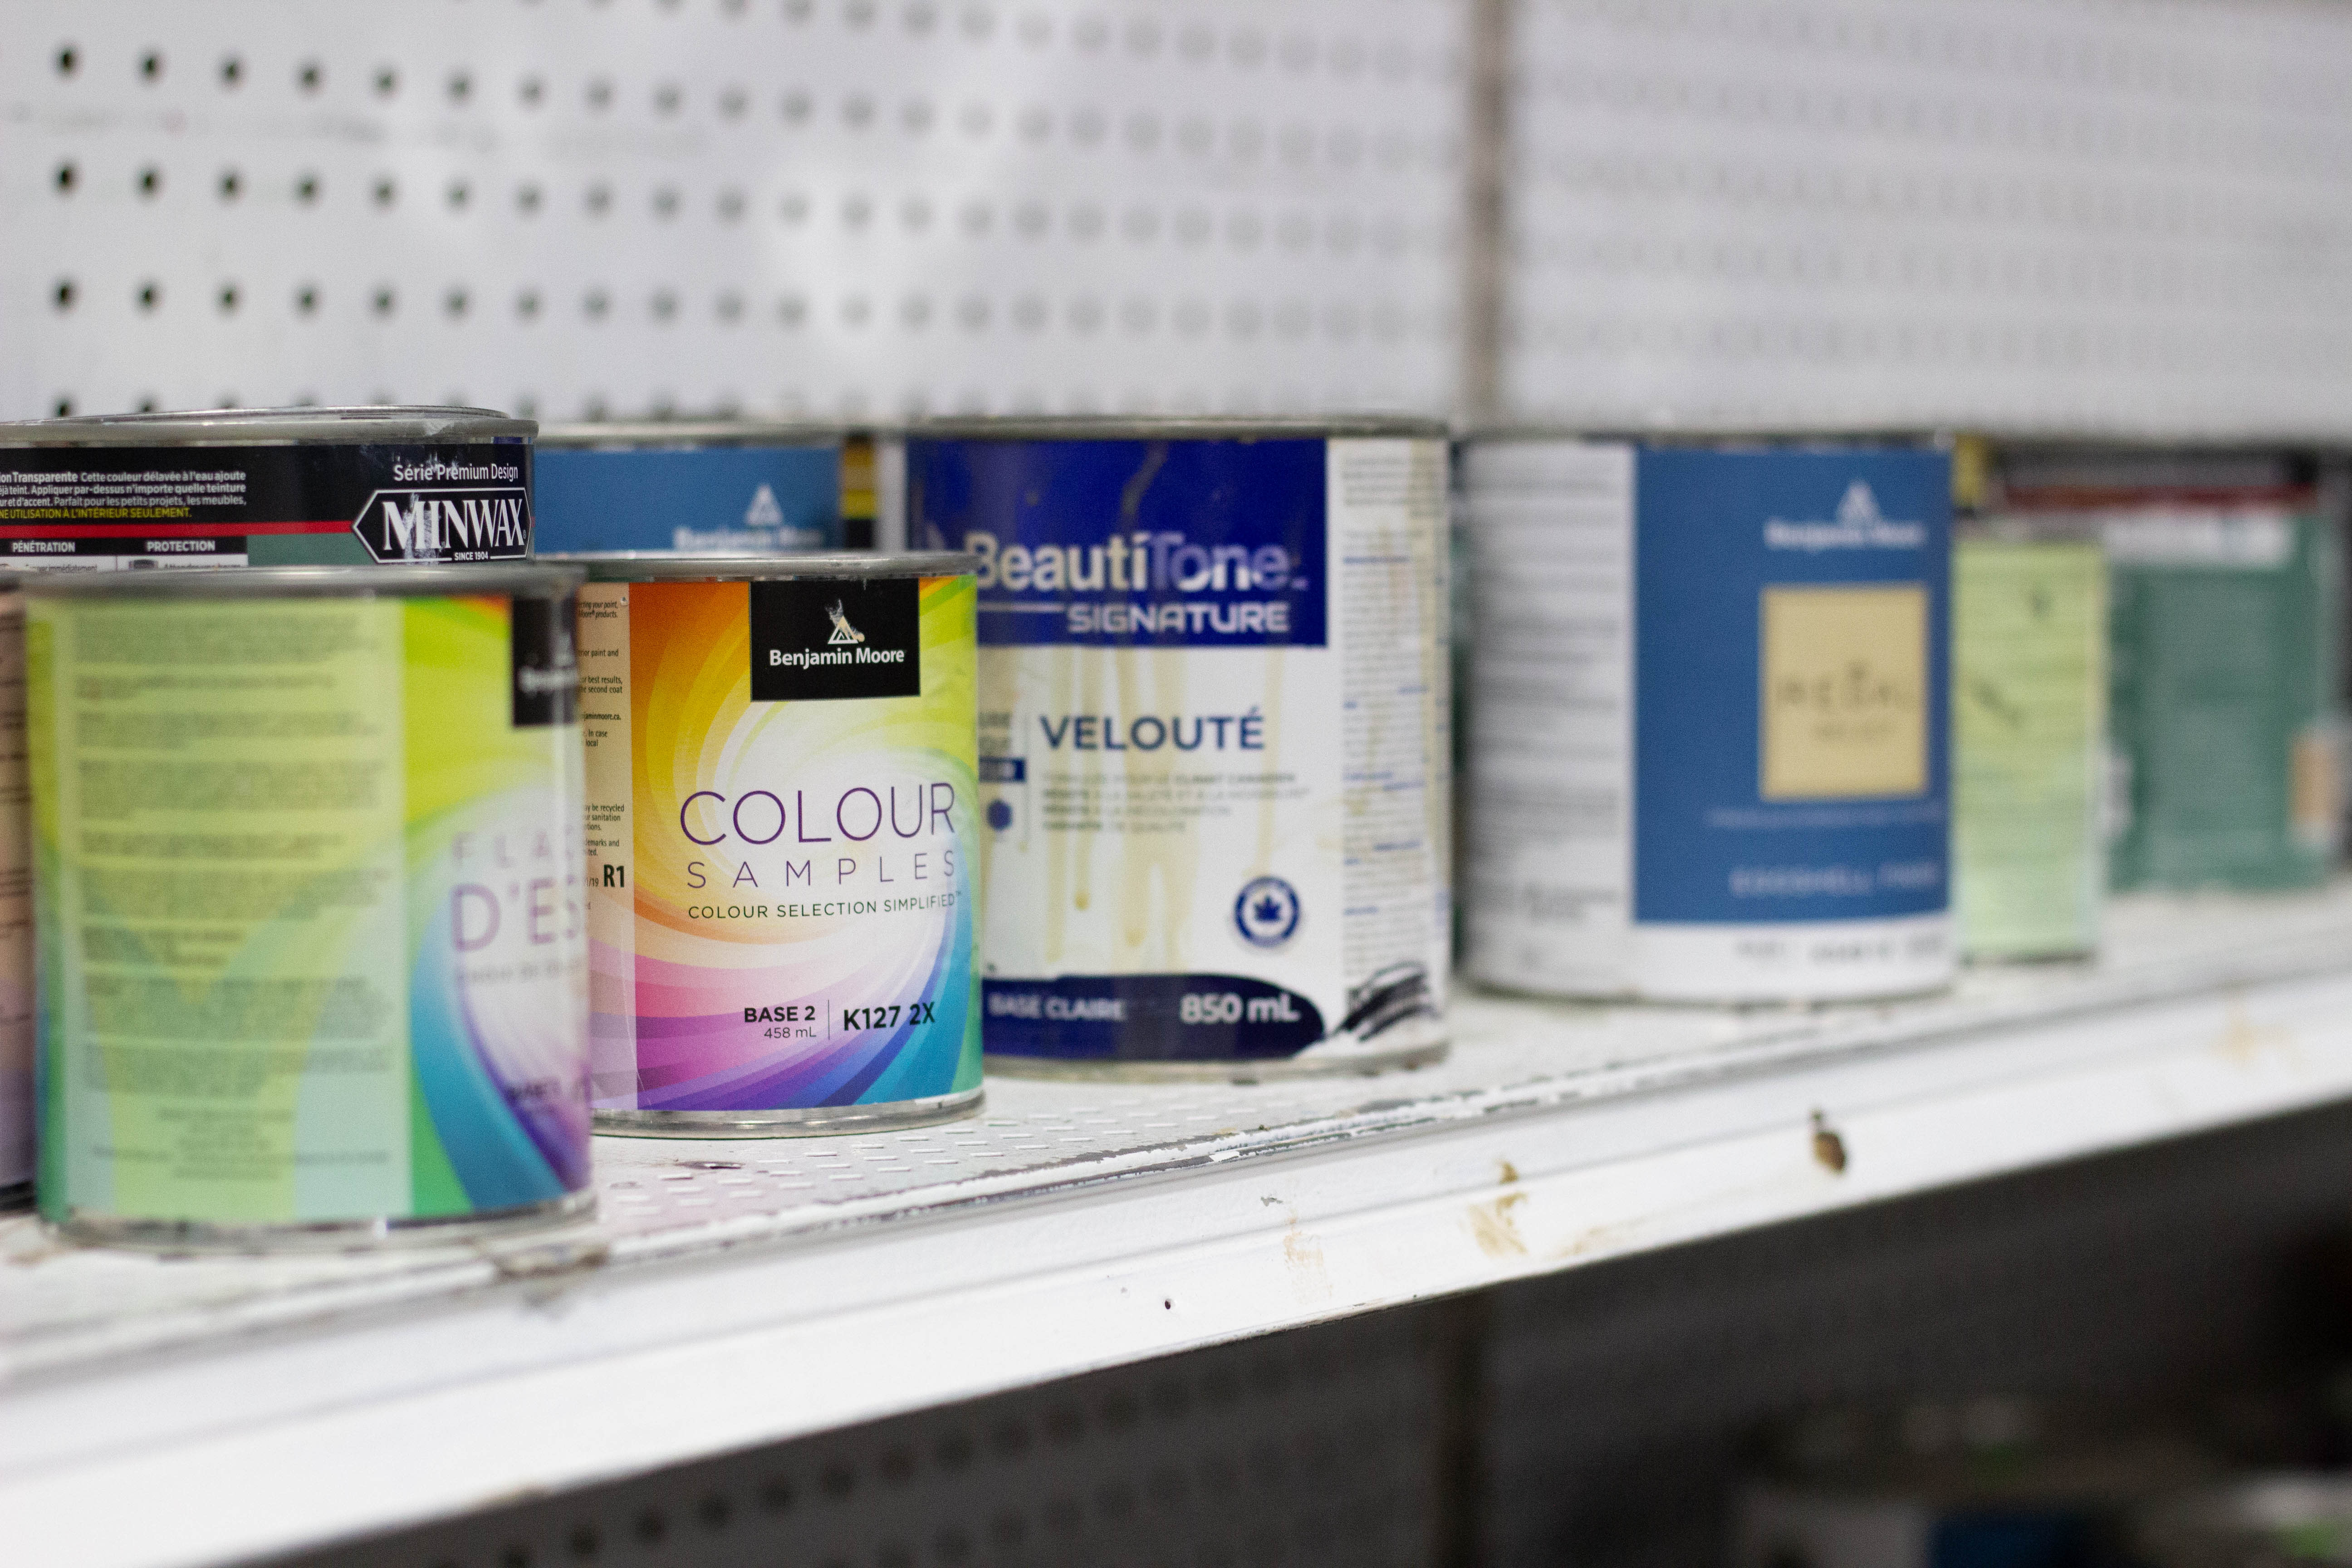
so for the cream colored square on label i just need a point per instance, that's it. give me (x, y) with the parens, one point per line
(1844, 691)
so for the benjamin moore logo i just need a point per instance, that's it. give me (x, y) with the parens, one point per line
(763, 511)
(1860, 525)
(446, 524)
(819, 640)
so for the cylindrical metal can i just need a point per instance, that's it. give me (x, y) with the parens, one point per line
(18, 1099)
(2225, 722)
(780, 817)
(715, 487)
(1214, 742)
(308, 882)
(2028, 738)
(1710, 688)
(266, 486)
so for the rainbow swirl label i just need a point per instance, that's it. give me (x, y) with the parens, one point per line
(308, 884)
(779, 794)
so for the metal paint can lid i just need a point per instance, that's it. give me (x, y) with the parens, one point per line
(521, 579)
(385, 424)
(647, 566)
(685, 435)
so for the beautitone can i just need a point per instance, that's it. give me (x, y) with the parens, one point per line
(266, 486)
(1708, 757)
(314, 942)
(719, 487)
(1214, 747)
(781, 820)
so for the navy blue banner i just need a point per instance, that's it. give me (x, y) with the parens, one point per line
(716, 498)
(1147, 1017)
(1167, 543)
(1719, 536)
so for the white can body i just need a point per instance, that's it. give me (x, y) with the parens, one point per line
(1707, 725)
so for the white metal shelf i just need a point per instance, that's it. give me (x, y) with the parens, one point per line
(735, 1294)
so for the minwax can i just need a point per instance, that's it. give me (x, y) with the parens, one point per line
(781, 820)
(1708, 756)
(1213, 745)
(312, 945)
(17, 1099)
(714, 487)
(266, 486)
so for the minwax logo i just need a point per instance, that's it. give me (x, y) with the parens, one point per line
(1860, 525)
(446, 524)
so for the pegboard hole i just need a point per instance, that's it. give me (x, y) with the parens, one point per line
(598, 200)
(460, 192)
(228, 299)
(668, 97)
(527, 200)
(776, 1494)
(531, 90)
(62, 408)
(66, 179)
(385, 192)
(527, 305)
(838, 1481)
(584, 1541)
(62, 295)
(149, 295)
(69, 60)
(306, 189)
(600, 95)
(455, 303)
(150, 66)
(385, 302)
(653, 1524)
(310, 76)
(461, 88)
(232, 184)
(232, 73)
(715, 1511)
(596, 305)
(387, 81)
(305, 300)
(151, 181)
(734, 103)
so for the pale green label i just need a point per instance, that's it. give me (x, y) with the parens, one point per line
(224, 906)
(2029, 701)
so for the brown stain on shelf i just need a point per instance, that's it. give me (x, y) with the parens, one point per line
(1496, 1229)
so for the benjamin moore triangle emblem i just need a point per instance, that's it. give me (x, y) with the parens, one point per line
(763, 511)
(1859, 505)
(843, 632)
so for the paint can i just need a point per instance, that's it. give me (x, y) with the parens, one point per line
(309, 895)
(266, 486)
(780, 823)
(2225, 724)
(1709, 745)
(18, 1111)
(2029, 729)
(715, 487)
(1213, 739)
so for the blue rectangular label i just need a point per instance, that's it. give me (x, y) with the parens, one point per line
(759, 500)
(1791, 685)
(1194, 543)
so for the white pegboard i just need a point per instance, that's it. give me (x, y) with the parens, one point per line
(2129, 215)
(841, 207)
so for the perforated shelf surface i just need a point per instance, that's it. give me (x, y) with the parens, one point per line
(733, 1293)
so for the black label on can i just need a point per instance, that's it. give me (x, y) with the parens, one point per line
(546, 662)
(327, 504)
(824, 639)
